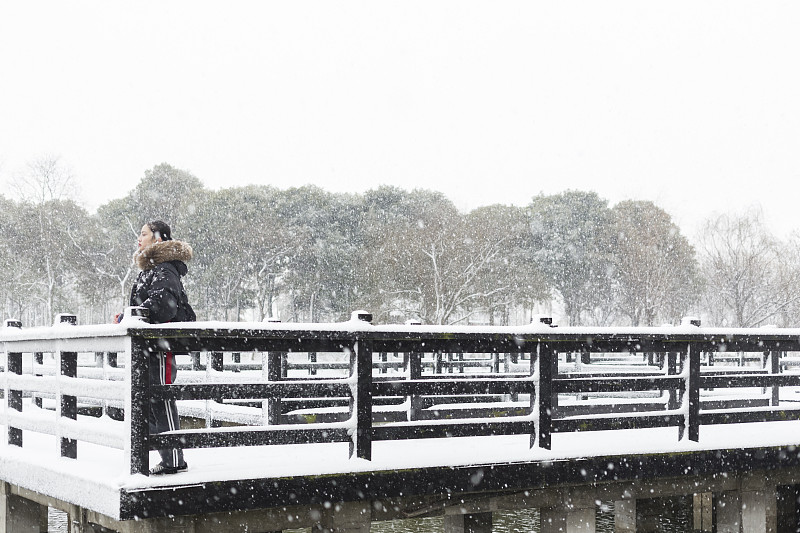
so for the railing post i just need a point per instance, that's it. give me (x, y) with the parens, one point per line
(692, 422)
(533, 403)
(414, 372)
(215, 361)
(38, 359)
(14, 366)
(545, 392)
(14, 397)
(68, 403)
(66, 318)
(672, 369)
(274, 373)
(774, 369)
(437, 363)
(139, 411)
(361, 404)
(312, 358)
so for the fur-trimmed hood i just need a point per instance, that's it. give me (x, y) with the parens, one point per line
(161, 252)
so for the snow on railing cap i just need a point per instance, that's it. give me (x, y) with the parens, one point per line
(361, 315)
(12, 323)
(691, 321)
(65, 319)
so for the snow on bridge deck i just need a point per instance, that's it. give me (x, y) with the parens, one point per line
(97, 478)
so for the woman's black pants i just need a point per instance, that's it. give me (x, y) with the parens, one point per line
(164, 413)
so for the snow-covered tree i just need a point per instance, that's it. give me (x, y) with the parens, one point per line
(655, 270)
(571, 243)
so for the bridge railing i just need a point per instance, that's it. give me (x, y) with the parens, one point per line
(524, 391)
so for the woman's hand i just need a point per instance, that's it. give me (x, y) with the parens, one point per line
(117, 318)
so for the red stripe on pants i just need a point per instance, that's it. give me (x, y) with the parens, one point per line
(168, 368)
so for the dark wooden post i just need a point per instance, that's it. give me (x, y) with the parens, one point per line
(692, 391)
(237, 360)
(672, 369)
(546, 359)
(216, 361)
(69, 403)
(14, 362)
(414, 372)
(437, 363)
(533, 400)
(275, 372)
(66, 318)
(140, 406)
(14, 397)
(361, 444)
(38, 358)
(774, 369)
(312, 358)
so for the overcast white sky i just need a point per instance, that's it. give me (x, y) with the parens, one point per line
(693, 105)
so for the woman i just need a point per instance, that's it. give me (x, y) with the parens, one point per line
(159, 289)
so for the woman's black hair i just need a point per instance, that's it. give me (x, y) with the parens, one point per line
(160, 229)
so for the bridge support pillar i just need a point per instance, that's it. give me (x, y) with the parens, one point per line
(751, 509)
(729, 511)
(759, 506)
(20, 515)
(576, 515)
(703, 512)
(625, 516)
(468, 523)
(346, 518)
(648, 511)
(788, 500)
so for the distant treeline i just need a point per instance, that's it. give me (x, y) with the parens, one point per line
(307, 255)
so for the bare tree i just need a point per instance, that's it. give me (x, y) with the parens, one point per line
(749, 282)
(45, 178)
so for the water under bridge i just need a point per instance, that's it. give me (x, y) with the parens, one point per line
(335, 426)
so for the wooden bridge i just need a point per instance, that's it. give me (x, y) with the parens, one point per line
(334, 426)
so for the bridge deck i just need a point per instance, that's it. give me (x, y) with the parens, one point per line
(314, 473)
(557, 438)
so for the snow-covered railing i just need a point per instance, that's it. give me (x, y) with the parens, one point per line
(27, 375)
(377, 396)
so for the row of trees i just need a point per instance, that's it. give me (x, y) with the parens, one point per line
(304, 254)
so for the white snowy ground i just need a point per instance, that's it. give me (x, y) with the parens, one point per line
(96, 477)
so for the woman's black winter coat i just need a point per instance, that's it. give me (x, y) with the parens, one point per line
(159, 287)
